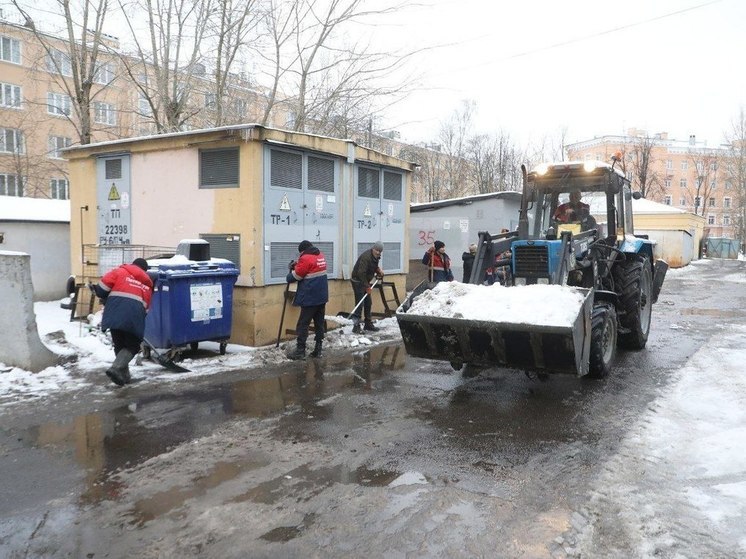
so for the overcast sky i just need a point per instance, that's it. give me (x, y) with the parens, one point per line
(596, 68)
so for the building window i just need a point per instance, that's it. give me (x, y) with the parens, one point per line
(710, 219)
(104, 73)
(711, 202)
(240, 107)
(59, 189)
(58, 62)
(55, 144)
(682, 202)
(697, 201)
(667, 183)
(726, 203)
(10, 95)
(684, 165)
(59, 104)
(728, 185)
(10, 50)
(218, 168)
(682, 183)
(700, 167)
(143, 106)
(726, 220)
(713, 185)
(714, 166)
(210, 101)
(104, 113)
(667, 200)
(669, 164)
(11, 141)
(11, 185)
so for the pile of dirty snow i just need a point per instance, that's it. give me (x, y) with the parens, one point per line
(550, 305)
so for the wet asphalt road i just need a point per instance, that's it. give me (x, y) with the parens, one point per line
(367, 454)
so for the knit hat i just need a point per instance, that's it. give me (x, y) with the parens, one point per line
(439, 245)
(378, 245)
(304, 246)
(473, 248)
(141, 263)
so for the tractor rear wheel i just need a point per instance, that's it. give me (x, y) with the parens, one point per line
(603, 340)
(634, 281)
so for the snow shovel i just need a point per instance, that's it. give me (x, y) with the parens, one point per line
(282, 317)
(360, 302)
(162, 360)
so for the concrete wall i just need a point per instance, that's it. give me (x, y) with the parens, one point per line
(49, 247)
(21, 345)
(457, 225)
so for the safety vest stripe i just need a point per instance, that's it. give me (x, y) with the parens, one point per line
(128, 296)
(316, 274)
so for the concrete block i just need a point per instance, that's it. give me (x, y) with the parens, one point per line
(20, 345)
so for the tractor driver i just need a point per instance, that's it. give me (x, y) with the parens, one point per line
(575, 211)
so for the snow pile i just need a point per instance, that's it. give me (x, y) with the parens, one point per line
(550, 305)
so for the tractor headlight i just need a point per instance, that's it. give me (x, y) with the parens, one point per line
(542, 169)
(590, 166)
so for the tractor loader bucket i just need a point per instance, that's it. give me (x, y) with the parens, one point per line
(530, 347)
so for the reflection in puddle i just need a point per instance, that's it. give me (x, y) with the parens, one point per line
(717, 313)
(165, 501)
(287, 533)
(303, 483)
(150, 425)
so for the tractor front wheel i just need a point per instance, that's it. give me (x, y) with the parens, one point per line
(603, 340)
(634, 281)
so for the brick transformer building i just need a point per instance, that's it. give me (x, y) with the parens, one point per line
(684, 174)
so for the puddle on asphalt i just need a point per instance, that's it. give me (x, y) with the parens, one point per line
(166, 501)
(303, 483)
(287, 533)
(150, 425)
(715, 313)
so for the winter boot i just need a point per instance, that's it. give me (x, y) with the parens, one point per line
(316, 350)
(119, 371)
(298, 353)
(357, 329)
(370, 327)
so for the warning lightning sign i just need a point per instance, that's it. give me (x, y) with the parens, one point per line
(285, 204)
(366, 213)
(113, 192)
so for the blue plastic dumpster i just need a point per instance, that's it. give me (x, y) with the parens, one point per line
(192, 302)
(722, 247)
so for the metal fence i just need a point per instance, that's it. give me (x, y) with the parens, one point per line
(99, 259)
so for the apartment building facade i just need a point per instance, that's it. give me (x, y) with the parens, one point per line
(38, 116)
(684, 174)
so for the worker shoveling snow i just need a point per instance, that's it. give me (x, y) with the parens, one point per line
(550, 305)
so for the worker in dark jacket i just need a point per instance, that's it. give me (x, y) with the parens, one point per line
(438, 263)
(311, 296)
(468, 258)
(125, 292)
(365, 269)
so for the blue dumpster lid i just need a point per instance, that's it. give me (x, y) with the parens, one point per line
(180, 264)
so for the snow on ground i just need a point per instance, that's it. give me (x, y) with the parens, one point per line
(86, 352)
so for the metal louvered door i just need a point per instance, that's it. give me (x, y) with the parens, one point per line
(300, 202)
(379, 213)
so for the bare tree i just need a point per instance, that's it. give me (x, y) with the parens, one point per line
(735, 171)
(705, 164)
(495, 163)
(334, 84)
(453, 139)
(168, 61)
(231, 30)
(642, 165)
(75, 60)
